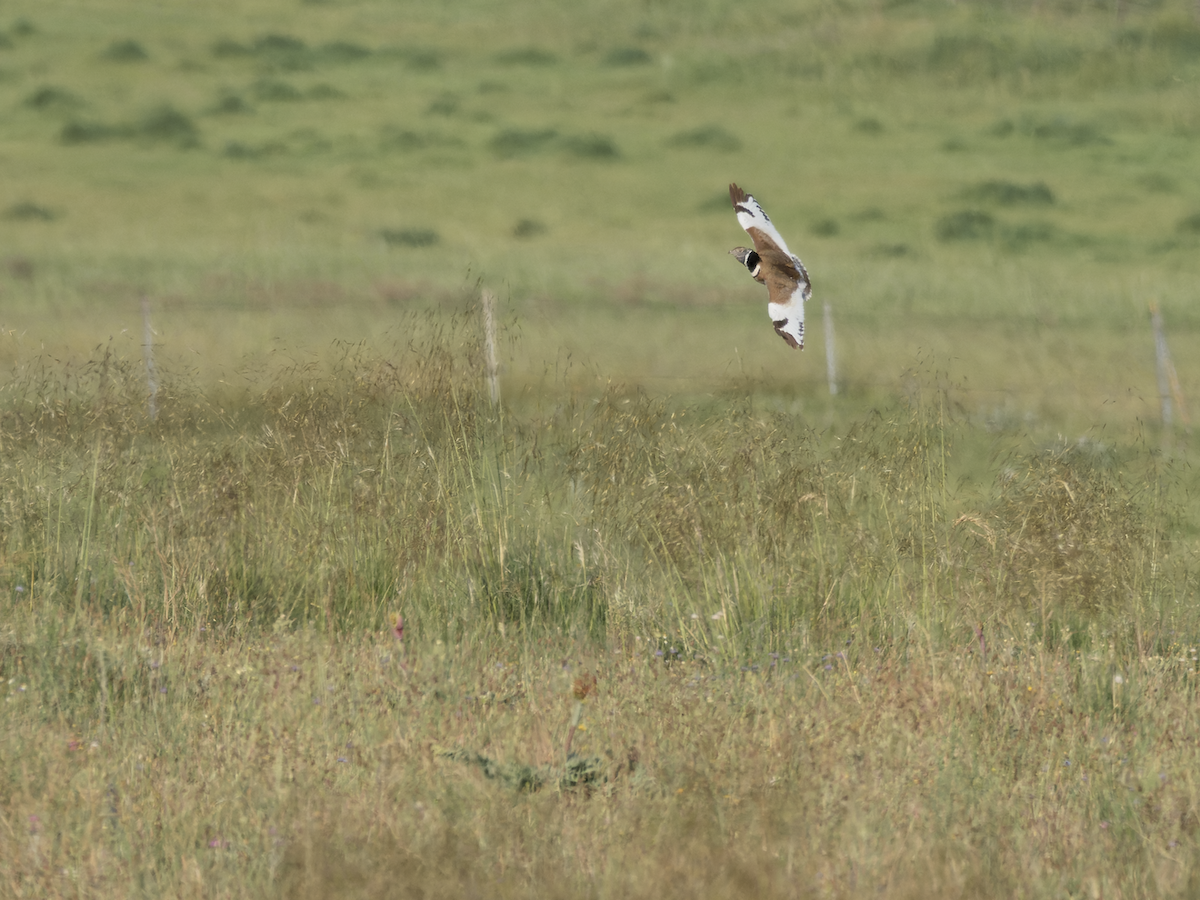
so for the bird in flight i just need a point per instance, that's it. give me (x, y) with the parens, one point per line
(773, 264)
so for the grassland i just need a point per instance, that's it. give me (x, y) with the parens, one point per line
(934, 635)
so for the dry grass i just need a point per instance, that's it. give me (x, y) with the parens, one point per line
(826, 664)
(908, 641)
(297, 766)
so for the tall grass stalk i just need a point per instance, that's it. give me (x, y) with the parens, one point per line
(788, 630)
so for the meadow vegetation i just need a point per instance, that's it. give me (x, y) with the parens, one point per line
(299, 611)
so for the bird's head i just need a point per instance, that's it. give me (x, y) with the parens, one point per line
(748, 258)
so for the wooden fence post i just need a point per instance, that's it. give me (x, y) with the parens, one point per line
(489, 342)
(148, 352)
(830, 351)
(1168, 379)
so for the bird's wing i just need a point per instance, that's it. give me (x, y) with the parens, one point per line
(754, 219)
(787, 312)
(769, 243)
(787, 281)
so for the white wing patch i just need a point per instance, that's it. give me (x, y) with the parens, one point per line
(788, 318)
(751, 215)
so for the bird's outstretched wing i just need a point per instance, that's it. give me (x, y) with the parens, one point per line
(774, 265)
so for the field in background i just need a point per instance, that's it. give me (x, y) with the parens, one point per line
(934, 635)
(1002, 192)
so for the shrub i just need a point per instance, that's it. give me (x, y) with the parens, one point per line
(270, 90)
(226, 48)
(526, 56)
(1025, 234)
(231, 105)
(1008, 193)
(706, 137)
(324, 92)
(279, 43)
(521, 142)
(85, 131)
(965, 225)
(591, 146)
(29, 212)
(527, 228)
(165, 123)
(444, 105)
(49, 97)
(1064, 130)
(409, 237)
(420, 59)
(627, 56)
(125, 51)
(403, 139)
(343, 52)
(1189, 224)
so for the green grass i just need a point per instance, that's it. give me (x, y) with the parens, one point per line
(263, 158)
(816, 653)
(934, 635)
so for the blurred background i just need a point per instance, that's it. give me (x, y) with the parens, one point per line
(987, 195)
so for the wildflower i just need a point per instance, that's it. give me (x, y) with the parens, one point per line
(398, 628)
(717, 616)
(584, 685)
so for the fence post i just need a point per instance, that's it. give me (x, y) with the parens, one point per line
(1168, 379)
(148, 352)
(830, 351)
(489, 343)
